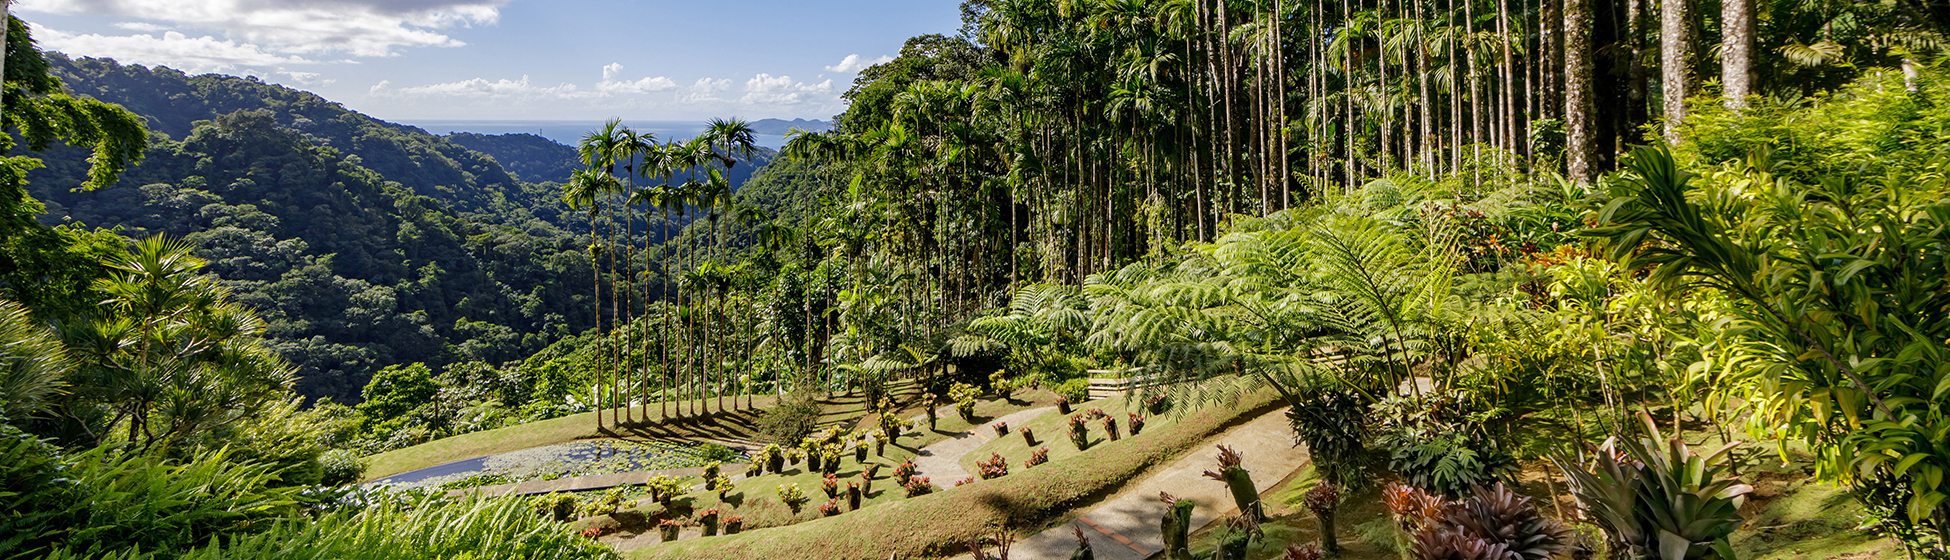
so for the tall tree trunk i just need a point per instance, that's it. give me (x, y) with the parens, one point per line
(1579, 140)
(1737, 51)
(1675, 57)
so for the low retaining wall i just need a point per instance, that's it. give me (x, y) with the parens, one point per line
(581, 483)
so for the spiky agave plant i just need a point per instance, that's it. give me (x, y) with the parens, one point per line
(1493, 523)
(1660, 499)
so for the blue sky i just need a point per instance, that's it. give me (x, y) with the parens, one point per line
(408, 60)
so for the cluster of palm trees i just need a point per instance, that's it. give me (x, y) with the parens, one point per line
(1063, 138)
(665, 336)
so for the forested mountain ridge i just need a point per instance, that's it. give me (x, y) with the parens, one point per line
(173, 102)
(529, 157)
(361, 243)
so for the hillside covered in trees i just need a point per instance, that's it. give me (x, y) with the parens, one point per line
(1527, 279)
(361, 243)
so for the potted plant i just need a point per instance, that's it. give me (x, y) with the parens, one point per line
(1079, 432)
(1028, 437)
(1137, 424)
(1110, 427)
(709, 521)
(1037, 457)
(792, 497)
(668, 529)
(1001, 429)
(733, 524)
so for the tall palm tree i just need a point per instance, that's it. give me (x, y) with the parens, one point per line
(585, 191)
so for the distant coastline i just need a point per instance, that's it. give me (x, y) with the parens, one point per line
(568, 132)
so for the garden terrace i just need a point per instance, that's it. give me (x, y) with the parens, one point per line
(941, 523)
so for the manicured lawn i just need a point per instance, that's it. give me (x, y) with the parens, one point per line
(1052, 430)
(1025, 501)
(756, 499)
(732, 427)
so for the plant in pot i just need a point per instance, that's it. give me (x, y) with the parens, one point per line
(1157, 404)
(708, 520)
(1063, 404)
(1240, 482)
(853, 495)
(831, 485)
(733, 525)
(995, 467)
(774, 458)
(830, 508)
(1110, 427)
(1001, 429)
(792, 497)
(964, 396)
(1137, 424)
(668, 529)
(903, 472)
(917, 486)
(1037, 457)
(1322, 500)
(1079, 432)
(1028, 437)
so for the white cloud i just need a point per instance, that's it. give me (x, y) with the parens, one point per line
(646, 85)
(140, 26)
(612, 70)
(194, 55)
(706, 90)
(853, 64)
(707, 85)
(782, 90)
(305, 78)
(480, 87)
(356, 27)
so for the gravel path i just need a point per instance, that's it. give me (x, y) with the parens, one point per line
(941, 462)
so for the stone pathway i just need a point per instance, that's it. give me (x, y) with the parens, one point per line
(1125, 527)
(941, 462)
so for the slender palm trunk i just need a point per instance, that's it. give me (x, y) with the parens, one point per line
(1580, 147)
(1675, 56)
(1737, 51)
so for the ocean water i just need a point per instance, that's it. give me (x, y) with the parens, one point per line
(569, 132)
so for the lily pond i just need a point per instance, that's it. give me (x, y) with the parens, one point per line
(563, 460)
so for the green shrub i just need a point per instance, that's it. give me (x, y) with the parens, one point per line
(1077, 390)
(1443, 454)
(106, 500)
(715, 452)
(1334, 425)
(964, 396)
(339, 467)
(794, 418)
(557, 506)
